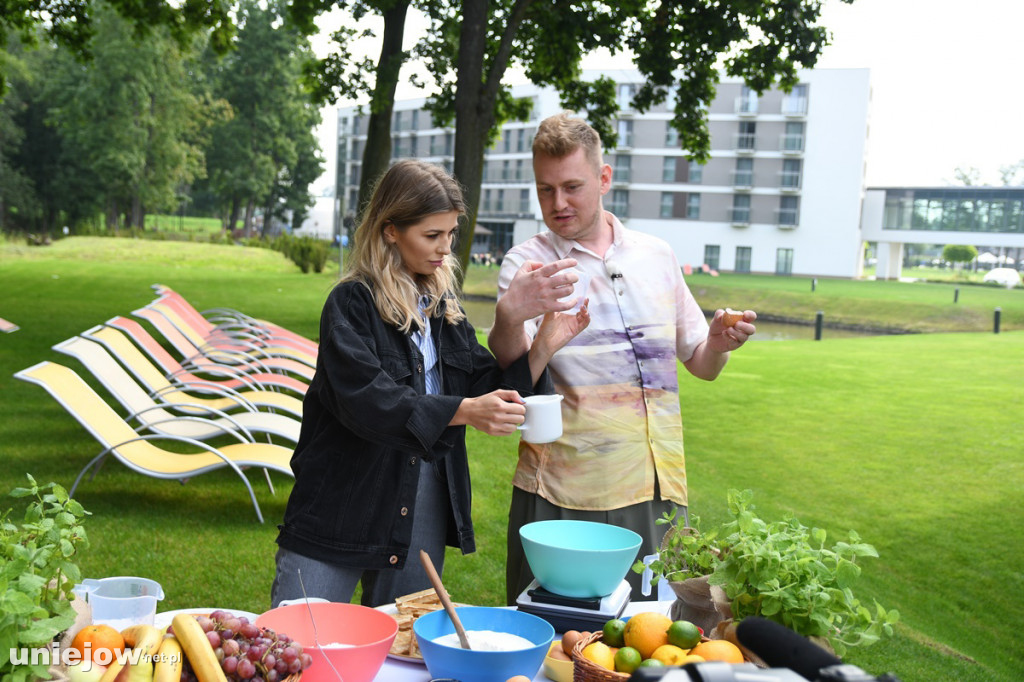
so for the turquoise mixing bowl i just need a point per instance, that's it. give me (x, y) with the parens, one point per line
(466, 665)
(579, 558)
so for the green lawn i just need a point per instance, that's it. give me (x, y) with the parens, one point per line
(914, 441)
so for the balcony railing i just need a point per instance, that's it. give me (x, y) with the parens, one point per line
(743, 179)
(745, 142)
(619, 209)
(745, 106)
(791, 144)
(622, 175)
(787, 218)
(740, 216)
(790, 180)
(794, 106)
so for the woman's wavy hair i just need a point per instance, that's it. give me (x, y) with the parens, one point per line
(404, 195)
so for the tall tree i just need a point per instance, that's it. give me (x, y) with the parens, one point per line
(130, 117)
(268, 139)
(341, 75)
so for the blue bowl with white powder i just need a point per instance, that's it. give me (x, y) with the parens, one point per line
(505, 643)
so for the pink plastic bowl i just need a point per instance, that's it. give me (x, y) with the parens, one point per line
(368, 631)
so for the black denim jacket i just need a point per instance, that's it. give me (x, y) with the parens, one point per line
(366, 422)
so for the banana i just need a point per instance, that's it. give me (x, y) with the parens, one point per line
(144, 641)
(169, 661)
(197, 647)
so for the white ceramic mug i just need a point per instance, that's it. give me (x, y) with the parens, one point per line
(543, 418)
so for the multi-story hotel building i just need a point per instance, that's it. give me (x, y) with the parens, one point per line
(781, 192)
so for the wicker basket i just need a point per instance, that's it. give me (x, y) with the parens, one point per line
(585, 670)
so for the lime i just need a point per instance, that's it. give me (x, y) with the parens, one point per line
(651, 663)
(683, 634)
(627, 659)
(613, 632)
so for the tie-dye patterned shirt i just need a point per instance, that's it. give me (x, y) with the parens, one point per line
(621, 418)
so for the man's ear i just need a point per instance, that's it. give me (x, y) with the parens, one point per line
(606, 178)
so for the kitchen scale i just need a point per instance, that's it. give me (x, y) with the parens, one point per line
(574, 613)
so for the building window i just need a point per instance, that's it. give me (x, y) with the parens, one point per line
(448, 142)
(784, 261)
(486, 208)
(742, 259)
(711, 255)
(521, 140)
(622, 171)
(524, 201)
(507, 140)
(789, 211)
(790, 174)
(794, 103)
(415, 119)
(519, 169)
(667, 203)
(746, 103)
(741, 209)
(793, 138)
(505, 166)
(500, 204)
(625, 129)
(668, 169)
(747, 137)
(693, 206)
(743, 176)
(696, 173)
(671, 136)
(624, 96)
(620, 203)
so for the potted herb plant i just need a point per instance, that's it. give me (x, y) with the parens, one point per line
(687, 558)
(785, 571)
(780, 570)
(37, 574)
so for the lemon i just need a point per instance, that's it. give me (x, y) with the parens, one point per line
(627, 659)
(613, 631)
(651, 663)
(683, 634)
(600, 654)
(669, 654)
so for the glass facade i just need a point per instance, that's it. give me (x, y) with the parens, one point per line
(959, 209)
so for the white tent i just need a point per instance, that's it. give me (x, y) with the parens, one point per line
(1008, 277)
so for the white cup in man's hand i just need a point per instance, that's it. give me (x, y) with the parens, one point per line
(543, 418)
(579, 290)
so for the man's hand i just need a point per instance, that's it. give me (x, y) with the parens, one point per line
(535, 289)
(723, 339)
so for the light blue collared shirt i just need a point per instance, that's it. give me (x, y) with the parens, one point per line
(425, 343)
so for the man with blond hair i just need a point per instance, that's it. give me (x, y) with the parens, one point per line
(620, 458)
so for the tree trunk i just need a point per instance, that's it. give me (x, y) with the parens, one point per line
(112, 214)
(232, 217)
(377, 153)
(250, 212)
(475, 100)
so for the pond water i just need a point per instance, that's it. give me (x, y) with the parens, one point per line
(481, 315)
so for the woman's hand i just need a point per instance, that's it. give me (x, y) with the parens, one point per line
(497, 413)
(556, 330)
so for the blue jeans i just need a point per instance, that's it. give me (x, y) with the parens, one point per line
(338, 583)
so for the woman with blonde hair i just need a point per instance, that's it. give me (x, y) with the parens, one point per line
(381, 469)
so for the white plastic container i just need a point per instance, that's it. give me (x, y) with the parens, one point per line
(121, 601)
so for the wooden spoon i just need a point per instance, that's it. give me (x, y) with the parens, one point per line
(442, 594)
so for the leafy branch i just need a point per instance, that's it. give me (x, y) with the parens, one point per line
(38, 573)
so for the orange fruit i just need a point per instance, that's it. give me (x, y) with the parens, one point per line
(646, 631)
(718, 650)
(93, 639)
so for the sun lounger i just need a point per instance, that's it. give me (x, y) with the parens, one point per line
(139, 452)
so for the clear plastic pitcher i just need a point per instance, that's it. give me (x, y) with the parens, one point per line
(121, 601)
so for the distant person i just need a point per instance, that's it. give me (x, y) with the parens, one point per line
(381, 469)
(620, 458)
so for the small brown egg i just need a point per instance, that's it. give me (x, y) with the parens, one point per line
(569, 640)
(518, 678)
(731, 317)
(558, 654)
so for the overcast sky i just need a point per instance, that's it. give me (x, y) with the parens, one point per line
(945, 76)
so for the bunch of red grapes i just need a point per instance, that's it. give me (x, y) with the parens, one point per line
(247, 652)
